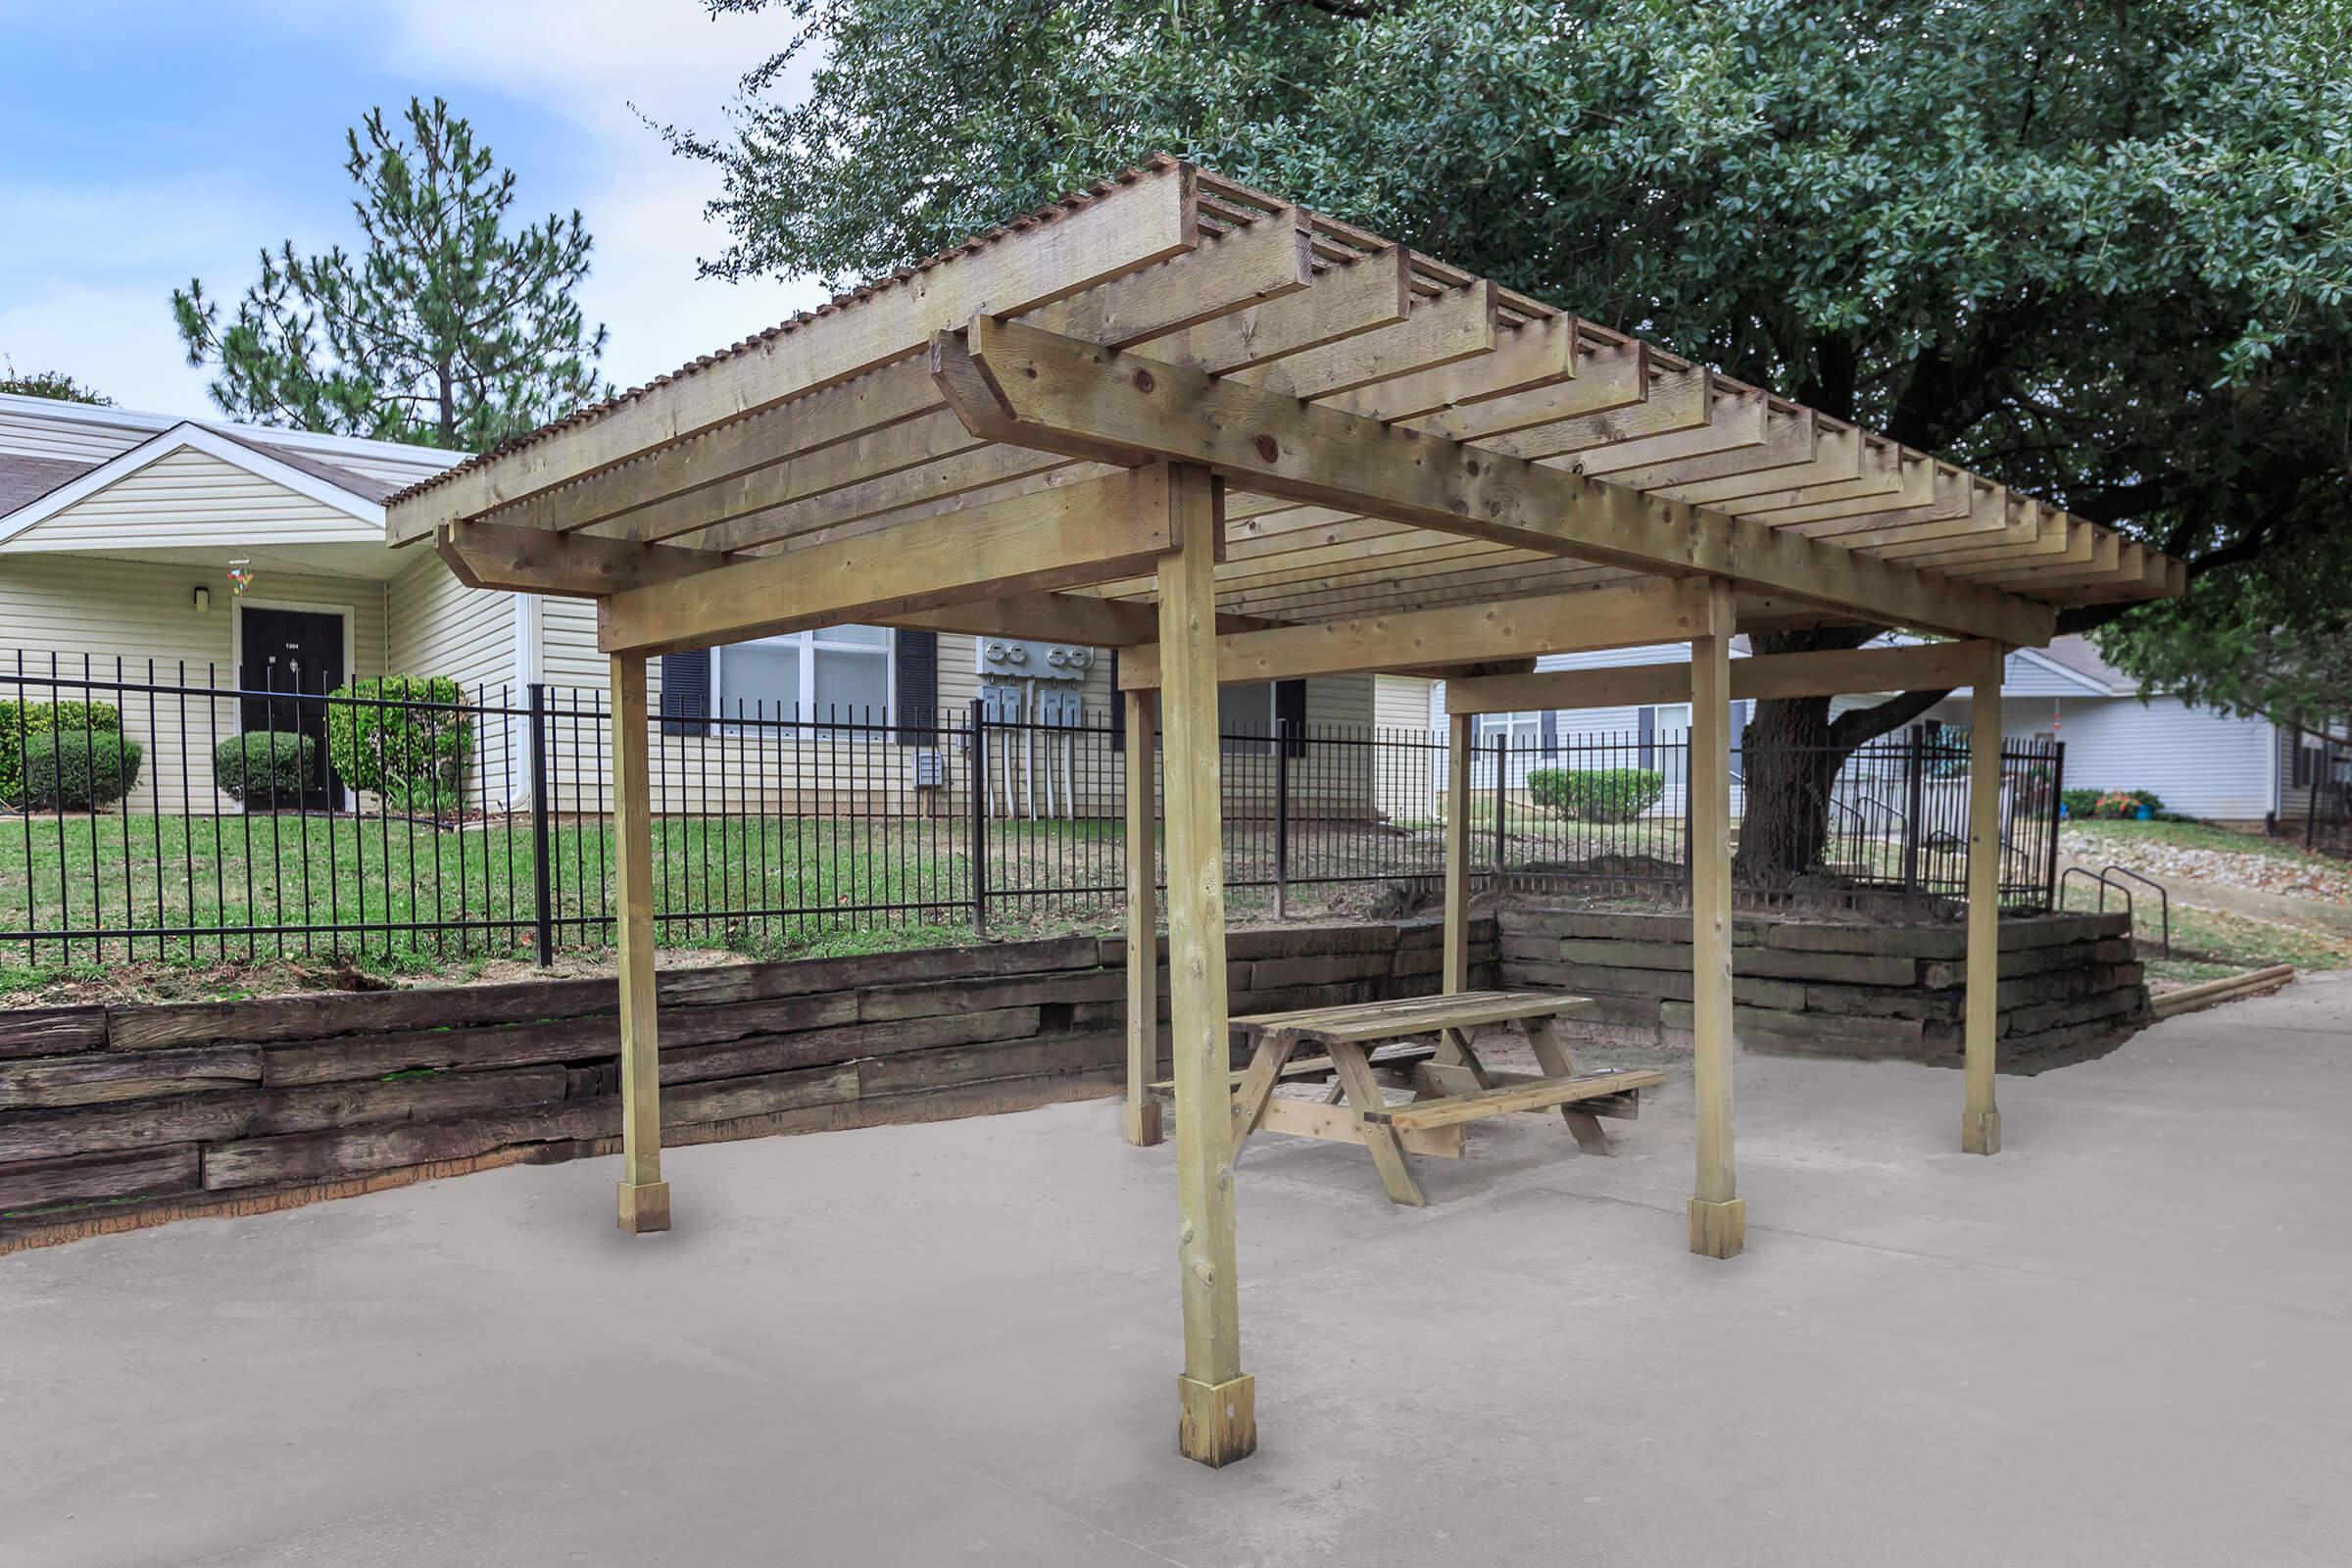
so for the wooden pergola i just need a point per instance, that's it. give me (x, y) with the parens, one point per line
(1240, 441)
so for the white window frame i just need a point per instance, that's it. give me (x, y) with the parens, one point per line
(811, 644)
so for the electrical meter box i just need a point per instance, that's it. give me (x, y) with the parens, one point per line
(1017, 659)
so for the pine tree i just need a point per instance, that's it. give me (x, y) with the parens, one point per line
(448, 328)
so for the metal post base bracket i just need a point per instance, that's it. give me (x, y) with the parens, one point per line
(644, 1206)
(1218, 1421)
(1979, 1132)
(1717, 1230)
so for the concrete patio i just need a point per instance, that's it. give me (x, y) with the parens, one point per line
(2125, 1340)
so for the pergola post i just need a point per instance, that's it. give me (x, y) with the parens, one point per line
(1457, 852)
(1718, 1214)
(1980, 1119)
(643, 1195)
(1218, 1404)
(1139, 1116)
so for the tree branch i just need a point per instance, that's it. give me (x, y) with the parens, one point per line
(1856, 725)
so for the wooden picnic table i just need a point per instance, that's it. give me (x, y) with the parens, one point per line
(1363, 1049)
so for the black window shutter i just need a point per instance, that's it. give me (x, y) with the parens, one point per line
(1550, 719)
(1119, 717)
(685, 692)
(1290, 716)
(1649, 730)
(918, 686)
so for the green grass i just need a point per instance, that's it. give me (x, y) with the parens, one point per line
(2208, 944)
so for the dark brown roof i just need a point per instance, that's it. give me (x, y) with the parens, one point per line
(24, 480)
(317, 467)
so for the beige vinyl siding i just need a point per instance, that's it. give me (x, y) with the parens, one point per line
(439, 627)
(181, 496)
(1409, 777)
(35, 428)
(72, 606)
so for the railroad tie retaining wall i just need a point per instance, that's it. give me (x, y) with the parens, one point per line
(115, 1116)
(1834, 988)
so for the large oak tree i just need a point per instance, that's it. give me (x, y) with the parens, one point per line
(2100, 251)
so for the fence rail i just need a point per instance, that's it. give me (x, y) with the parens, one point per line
(139, 819)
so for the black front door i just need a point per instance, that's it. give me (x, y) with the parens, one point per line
(289, 656)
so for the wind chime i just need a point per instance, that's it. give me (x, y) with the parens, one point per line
(240, 574)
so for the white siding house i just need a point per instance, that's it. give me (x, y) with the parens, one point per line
(119, 532)
(2198, 762)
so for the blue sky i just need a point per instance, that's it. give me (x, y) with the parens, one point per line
(143, 144)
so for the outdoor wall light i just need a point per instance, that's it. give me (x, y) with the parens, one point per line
(204, 599)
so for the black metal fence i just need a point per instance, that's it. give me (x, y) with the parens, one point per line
(161, 813)
(2324, 771)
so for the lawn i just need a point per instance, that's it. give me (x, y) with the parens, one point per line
(2208, 944)
(413, 898)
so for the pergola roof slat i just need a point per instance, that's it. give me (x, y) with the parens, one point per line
(1391, 429)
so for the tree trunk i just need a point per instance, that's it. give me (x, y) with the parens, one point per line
(1791, 754)
(1789, 768)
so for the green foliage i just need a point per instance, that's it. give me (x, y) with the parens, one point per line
(2102, 254)
(414, 756)
(1596, 795)
(55, 384)
(2247, 641)
(78, 771)
(265, 768)
(19, 721)
(2111, 803)
(450, 328)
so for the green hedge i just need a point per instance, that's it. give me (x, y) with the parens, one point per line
(265, 768)
(413, 757)
(79, 770)
(1596, 795)
(21, 721)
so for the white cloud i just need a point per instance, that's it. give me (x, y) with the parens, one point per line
(602, 65)
(86, 269)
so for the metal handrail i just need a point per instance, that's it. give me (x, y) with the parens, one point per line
(2164, 900)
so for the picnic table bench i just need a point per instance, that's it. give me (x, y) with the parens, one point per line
(1361, 1049)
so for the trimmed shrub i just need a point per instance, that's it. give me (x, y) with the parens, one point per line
(1596, 795)
(78, 771)
(21, 721)
(414, 757)
(265, 768)
(2111, 803)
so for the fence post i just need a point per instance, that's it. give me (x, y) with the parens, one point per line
(1914, 803)
(543, 912)
(1282, 823)
(979, 850)
(1689, 834)
(1503, 779)
(2050, 885)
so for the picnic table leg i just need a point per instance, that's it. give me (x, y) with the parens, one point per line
(1553, 1055)
(1217, 1401)
(1274, 1049)
(1388, 1151)
(1456, 1050)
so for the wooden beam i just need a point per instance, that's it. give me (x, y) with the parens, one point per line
(1037, 389)
(1139, 1115)
(1645, 611)
(1217, 1405)
(1125, 230)
(1917, 668)
(1050, 617)
(1054, 539)
(1718, 1214)
(1980, 1117)
(643, 1196)
(532, 561)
